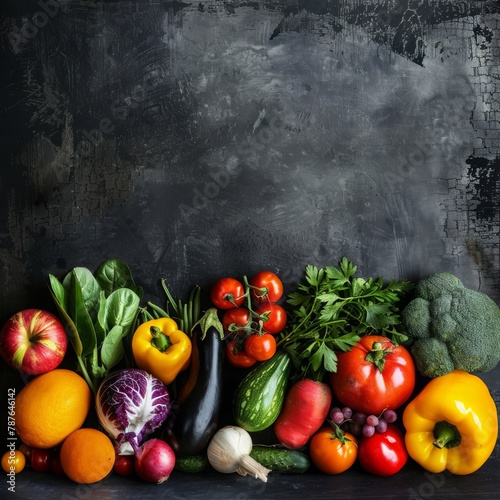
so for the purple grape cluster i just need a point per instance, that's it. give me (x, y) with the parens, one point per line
(359, 423)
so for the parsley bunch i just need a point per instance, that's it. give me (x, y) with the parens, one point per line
(332, 309)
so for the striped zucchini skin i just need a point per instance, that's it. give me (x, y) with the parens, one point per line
(260, 395)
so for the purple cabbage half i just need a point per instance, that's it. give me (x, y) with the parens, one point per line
(131, 404)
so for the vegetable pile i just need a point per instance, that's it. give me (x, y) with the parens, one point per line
(342, 370)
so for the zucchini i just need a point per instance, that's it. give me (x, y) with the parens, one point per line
(281, 459)
(192, 464)
(259, 397)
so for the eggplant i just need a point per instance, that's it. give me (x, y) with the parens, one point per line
(194, 417)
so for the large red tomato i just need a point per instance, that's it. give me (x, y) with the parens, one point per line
(374, 375)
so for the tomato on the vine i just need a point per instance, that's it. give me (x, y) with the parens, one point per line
(374, 375)
(333, 451)
(41, 459)
(383, 454)
(266, 287)
(238, 317)
(260, 347)
(276, 317)
(227, 293)
(236, 355)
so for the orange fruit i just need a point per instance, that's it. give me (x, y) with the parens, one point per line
(51, 406)
(87, 455)
(13, 461)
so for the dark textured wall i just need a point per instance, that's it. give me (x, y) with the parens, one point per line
(201, 139)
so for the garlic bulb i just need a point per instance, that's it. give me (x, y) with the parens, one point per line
(229, 451)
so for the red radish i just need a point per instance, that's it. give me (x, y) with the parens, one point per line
(304, 411)
(154, 461)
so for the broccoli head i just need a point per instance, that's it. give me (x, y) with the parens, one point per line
(452, 327)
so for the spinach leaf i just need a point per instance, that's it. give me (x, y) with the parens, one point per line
(90, 289)
(98, 311)
(100, 324)
(81, 318)
(59, 297)
(121, 308)
(114, 274)
(112, 347)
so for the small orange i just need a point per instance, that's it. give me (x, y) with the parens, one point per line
(51, 406)
(87, 455)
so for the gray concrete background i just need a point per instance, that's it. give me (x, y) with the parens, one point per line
(201, 139)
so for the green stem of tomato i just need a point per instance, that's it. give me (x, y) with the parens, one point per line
(251, 313)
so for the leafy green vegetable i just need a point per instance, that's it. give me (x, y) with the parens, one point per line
(452, 327)
(332, 309)
(99, 311)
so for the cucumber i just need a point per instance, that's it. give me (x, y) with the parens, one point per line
(195, 463)
(259, 397)
(281, 459)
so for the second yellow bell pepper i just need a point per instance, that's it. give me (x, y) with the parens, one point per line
(161, 349)
(452, 424)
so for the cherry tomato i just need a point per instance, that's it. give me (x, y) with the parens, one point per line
(55, 465)
(13, 461)
(268, 287)
(41, 459)
(227, 293)
(361, 385)
(329, 454)
(235, 319)
(26, 451)
(383, 454)
(124, 465)
(260, 347)
(236, 355)
(276, 317)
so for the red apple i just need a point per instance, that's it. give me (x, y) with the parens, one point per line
(33, 341)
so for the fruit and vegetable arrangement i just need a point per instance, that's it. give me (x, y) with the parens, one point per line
(342, 370)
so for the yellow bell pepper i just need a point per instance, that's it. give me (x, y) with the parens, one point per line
(161, 349)
(452, 424)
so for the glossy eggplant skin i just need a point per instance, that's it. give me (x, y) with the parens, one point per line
(194, 421)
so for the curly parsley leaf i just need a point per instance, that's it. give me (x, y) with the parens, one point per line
(331, 309)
